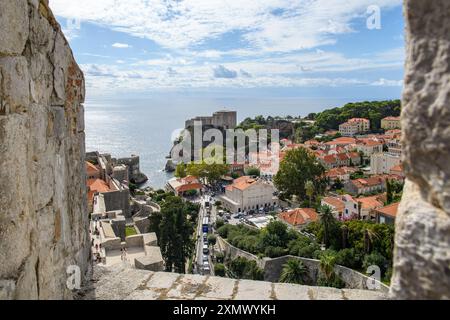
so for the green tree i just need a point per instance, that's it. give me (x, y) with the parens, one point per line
(212, 239)
(180, 171)
(294, 271)
(326, 266)
(376, 259)
(370, 235)
(208, 173)
(252, 171)
(175, 234)
(275, 235)
(328, 224)
(389, 192)
(309, 189)
(219, 270)
(298, 167)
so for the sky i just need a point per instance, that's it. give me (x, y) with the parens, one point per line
(260, 48)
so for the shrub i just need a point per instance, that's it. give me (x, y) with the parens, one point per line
(212, 239)
(219, 223)
(376, 259)
(191, 193)
(275, 252)
(219, 270)
(348, 258)
(246, 269)
(223, 231)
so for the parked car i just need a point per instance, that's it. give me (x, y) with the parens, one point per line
(205, 259)
(205, 249)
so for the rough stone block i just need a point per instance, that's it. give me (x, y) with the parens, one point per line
(13, 26)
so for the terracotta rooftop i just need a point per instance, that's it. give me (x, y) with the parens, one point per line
(299, 217)
(369, 142)
(337, 203)
(358, 120)
(342, 140)
(390, 210)
(96, 186)
(392, 119)
(372, 202)
(91, 169)
(242, 183)
(368, 182)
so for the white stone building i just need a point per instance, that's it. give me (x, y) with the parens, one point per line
(247, 194)
(382, 163)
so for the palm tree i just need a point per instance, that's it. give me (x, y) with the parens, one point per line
(369, 237)
(326, 266)
(327, 221)
(344, 230)
(309, 189)
(294, 271)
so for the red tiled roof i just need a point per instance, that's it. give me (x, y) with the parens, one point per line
(342, 156)
(392, 119)
(369, 142)
(336, 172)
(91, 169)
(358, 120)
(337, 203)
(372, 202)
(96, 186)
(299, 217)
(368, 182)
(342, 140)
(390, 210)
(354, 155)
(329, 158)
(242, 183)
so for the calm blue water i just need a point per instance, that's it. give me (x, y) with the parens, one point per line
(145, 127)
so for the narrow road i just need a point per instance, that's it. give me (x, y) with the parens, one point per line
(199, 248)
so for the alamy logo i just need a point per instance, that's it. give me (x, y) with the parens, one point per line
(237, 147)
(374, 19)
(74, 277)
(373, 282)
(73, 24)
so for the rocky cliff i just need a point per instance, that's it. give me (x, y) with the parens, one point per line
(43, 213)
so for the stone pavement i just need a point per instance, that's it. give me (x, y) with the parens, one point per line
(123, 283)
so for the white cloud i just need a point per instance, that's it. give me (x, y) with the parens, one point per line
(299, 24)
(222, 72)
(277, 43)
(121, 45)
(387, 83)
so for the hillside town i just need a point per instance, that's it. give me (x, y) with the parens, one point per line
(359, 178)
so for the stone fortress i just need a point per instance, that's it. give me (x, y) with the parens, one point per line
(221, 119)
(44, 226)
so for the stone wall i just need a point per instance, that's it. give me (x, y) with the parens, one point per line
(352, 279)
(422, 254)
(120, 282)
(273, 268)
(43, 212)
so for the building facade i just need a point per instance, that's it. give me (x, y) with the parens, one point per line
(390, 123)
(354, 126)
(247, 193)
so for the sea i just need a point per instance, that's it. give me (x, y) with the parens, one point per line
(148, 126)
